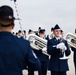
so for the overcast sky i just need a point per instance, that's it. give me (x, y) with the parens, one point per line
(45, 13)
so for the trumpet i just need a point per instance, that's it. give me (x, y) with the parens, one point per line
(37, 43)
(71, 39)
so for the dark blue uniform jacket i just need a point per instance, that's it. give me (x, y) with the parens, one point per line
(56, 64)
(14, 53)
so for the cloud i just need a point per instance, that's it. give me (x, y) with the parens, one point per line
(45, 13)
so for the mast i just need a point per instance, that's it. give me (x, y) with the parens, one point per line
(18, 15)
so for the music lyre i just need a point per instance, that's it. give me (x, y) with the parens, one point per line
(63, 52)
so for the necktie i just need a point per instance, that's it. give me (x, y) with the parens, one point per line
(58, 40)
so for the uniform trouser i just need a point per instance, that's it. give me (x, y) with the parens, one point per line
(32, 68)
(44, 67)
(58, 73)
(75, 66)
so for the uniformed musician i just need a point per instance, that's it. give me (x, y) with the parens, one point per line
(55, 47)
(52, 35)
(74, 57)
(42, 57)
(14, 51)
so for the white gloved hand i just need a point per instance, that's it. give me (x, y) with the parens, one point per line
(44, 49)
(61, 46)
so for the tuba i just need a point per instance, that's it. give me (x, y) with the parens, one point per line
(71, 39)
(37, 42)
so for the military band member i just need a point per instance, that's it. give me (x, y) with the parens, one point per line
(55, 47)
(30, 32)
(19, 35)
(75, 31)
(14, 51)
(52, 34)
(74, 57)
(42, 57)
(37, 32)
(62, 33)
(24, 34)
